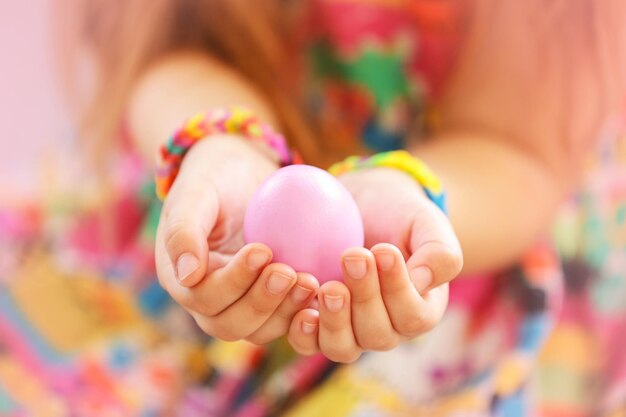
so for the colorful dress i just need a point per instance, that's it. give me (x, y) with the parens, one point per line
(85, 330)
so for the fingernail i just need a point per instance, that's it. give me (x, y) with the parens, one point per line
(333, 303)
(186, 265)
(278, 283)
(422, 278)
(355, 267)
(385, 260)
(257, 258)
(299, 294)
(308, 328)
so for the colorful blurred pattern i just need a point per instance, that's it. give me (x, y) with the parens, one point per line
(85, 329)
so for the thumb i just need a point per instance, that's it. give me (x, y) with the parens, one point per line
(436, 256)
(189, 215)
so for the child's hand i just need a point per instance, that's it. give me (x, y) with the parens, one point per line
(384, 300)
(233, 292)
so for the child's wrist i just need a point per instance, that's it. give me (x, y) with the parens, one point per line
(221, 151)
(401, 161)
(233, 123)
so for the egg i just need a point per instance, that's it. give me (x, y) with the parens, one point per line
(307, 218)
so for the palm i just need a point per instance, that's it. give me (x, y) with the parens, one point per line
(226, 237)
(389, 202)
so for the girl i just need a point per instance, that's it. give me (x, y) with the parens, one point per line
(504, 100)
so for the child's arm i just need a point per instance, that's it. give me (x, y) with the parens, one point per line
(525, 106)
(181, 85)
(232, 291)
(205, 208)
(500, 198)
(527, 103)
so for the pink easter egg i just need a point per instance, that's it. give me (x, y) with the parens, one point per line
(307, 217)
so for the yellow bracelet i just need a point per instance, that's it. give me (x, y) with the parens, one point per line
(403, 161)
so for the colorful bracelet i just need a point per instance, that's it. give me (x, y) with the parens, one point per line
(403, 161)
(235, 120)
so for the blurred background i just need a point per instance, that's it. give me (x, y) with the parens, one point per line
(84, 324)
(32, 116)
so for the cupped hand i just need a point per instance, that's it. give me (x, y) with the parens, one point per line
(232, 291)
(393, 292)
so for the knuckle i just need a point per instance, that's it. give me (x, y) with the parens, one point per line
(342, 355)
(227, 336)
(239, 282)
(204, 325)
(260, 339)
(175, 233)
(261, 307)
(447, 262)
(225, 332)
(364, 297)
(429, 324)
(394, 288)
(301, 346)
(303, 350)
(193, 302)
(457, 262)
(333, 326)
(284, 315)
(378, 342)
(204, 308)
(450, 264)
(187, 300)
(413, 325)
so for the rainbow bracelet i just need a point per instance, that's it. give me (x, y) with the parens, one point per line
(237, 120)
(403, 161)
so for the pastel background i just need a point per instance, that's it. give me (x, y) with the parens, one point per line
(86, 330)
(32, 117)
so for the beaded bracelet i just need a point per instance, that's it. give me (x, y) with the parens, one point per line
(237, 120)
(403, 161)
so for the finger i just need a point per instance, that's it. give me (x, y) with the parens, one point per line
(298, 298)
(410, 314)
(336, 338)
(248, 314)
(371, 324)
(189, 214)
(436, 253)
(303, 331)
(224, 286)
